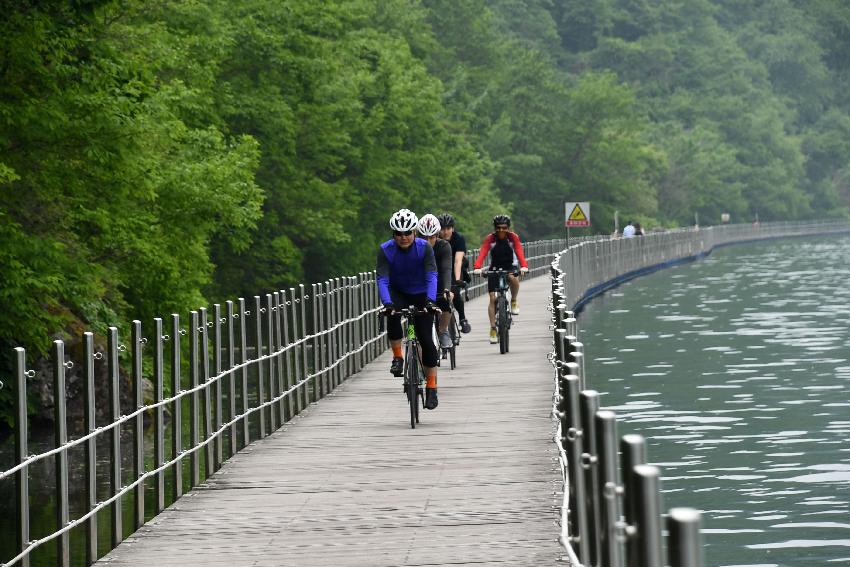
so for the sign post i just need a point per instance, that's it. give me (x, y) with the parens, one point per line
(577, 214)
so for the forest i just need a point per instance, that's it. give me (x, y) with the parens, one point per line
(157, 155)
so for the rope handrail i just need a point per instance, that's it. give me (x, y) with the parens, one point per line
(182, 394)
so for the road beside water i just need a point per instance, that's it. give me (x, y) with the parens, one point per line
(736, 369)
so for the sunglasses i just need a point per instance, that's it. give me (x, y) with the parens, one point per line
(501, 228)
(400, 233)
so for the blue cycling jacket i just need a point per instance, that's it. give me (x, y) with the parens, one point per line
(412, 271)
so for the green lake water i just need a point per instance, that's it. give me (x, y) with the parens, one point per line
(736, 368)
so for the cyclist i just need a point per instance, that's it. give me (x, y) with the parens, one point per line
(428, 228)
(505, 251)
(458, 244)
(407, 275)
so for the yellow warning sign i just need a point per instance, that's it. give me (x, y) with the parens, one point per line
(578, 214)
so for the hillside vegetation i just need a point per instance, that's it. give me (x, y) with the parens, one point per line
(157, 155)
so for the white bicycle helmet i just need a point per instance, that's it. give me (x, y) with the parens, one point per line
(403, 220)
(428, 225)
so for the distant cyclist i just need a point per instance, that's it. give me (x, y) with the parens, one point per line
(407, 275)
(504, 249)
(428, 228)
(458, 244)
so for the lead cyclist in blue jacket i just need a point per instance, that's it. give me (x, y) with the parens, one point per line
(407, 275)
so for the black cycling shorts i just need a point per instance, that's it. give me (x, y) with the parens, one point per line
(424, 324)
(493, 282)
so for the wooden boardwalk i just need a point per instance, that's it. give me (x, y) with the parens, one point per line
(348, 483)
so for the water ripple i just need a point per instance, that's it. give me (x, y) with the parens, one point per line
(736, 370)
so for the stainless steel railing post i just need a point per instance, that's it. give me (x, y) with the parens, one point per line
(271, 310)
(317, 379)
(289, 373)
(194, 461)
(589, 404)
(559, 346)
(301, 392)
(159, 416)
(258, 355)
(358, 324)
(91, 446)
(22, 491)
(243, 357)
(138, 426)
(115, 456)
(610, 544)
(577, 355)
(324, 347)
(579, 526)
(646, 480)
(632, 453)
(217, 387)
(684, 541)
(231, 363)
(345, 328)
(176, 409)
(60, 437)
(280, 359)
(337, 341)
(205, 380)
(305, 366)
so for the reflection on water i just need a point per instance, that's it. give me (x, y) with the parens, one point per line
(736, 369)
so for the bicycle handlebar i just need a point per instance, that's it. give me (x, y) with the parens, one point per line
(411, 311)
(498, 271)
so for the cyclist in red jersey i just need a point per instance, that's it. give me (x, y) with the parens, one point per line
(504, 250)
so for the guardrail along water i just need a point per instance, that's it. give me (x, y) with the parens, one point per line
(611, 512)
(736, 370)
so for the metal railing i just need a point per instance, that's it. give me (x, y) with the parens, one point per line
(249, 371)
(611, 509)
(236, 373)
(591, 266)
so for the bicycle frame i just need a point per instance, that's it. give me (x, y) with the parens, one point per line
(503, 311)
(454, 333)
(414, 369)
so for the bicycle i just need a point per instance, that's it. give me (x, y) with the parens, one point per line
(454, 334)
(414, 373)
(504, 318)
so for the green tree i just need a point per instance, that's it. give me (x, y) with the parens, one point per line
(108, 198)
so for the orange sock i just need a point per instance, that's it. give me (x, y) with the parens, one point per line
(397, 351)
(431, 380)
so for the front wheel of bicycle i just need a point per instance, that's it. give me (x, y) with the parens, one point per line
(508, 322)
(453, 349)
(413, 399)
(501, 322)
(411, 376)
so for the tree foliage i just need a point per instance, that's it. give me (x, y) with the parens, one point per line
(158, 155)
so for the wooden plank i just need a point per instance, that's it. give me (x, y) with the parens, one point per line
(347, 482)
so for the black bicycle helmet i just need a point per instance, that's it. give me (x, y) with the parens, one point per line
(446, 220)
(501, 219)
